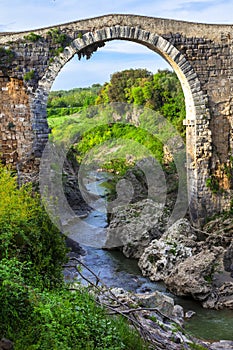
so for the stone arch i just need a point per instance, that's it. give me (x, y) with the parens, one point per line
(195, 100)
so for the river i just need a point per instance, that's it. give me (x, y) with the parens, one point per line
(115, 270)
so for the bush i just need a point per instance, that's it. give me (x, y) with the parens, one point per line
(34, 315)
(29, 75)
(57, 319)
(14, 297)
(32, 37)
(26, 232)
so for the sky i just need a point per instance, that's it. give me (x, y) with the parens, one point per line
(20, 15)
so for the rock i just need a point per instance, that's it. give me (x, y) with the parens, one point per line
(228, 259)
(144, 289)
(6, 344)
(178, 311)
(189, 265)
(138, 181)
(178, 314)
(71, 186)
(189, 314)
(74, 246)
(221, 298)
(194, 275)
(161, 257)
(132, 227)
(158, 300)
(190, 261)
(180, 231)
(162, 323)
(222, 345)
(219, 232)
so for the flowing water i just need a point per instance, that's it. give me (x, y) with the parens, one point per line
(115, 270)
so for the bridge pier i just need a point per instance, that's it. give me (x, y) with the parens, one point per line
(16, 124)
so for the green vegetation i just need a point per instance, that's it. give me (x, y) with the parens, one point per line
(196, 346)
(6, 55)
(213, 184)
(64, 103)
(124, 138)
(58, 37)
(160, 92)
(26, 232)
(32, 37)
(29, 75)
(58, 41)
(38, 311)
(57, 319)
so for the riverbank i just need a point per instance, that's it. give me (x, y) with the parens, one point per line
(191, 262)
(118, 271)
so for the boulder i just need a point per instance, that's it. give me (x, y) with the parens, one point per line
(153, 300)
(194, 276)
(181, 231)
(221, 298)
(163, 255)
(133, 226)
(228, 259)
(158, 300)
(222, 345)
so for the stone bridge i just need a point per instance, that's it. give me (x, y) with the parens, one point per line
(200, 54)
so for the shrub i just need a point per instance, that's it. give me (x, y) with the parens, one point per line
(29, 75)
(27, 233)
(32, 37)
(213, 184)
(6, 55)
(58, 37)
(34, 315)
(57, 319)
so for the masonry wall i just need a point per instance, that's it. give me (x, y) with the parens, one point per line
(16, 127)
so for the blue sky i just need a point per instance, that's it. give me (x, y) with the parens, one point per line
(17, 15)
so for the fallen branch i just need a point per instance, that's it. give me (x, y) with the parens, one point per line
(131, 314)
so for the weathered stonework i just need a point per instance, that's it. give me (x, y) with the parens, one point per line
(200, 54)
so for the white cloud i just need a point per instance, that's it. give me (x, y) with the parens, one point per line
(99, 68)
(31, 14)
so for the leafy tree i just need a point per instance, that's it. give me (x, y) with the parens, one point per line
(121, 82)
(161, 92)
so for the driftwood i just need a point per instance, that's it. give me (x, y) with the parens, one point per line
(116, 306)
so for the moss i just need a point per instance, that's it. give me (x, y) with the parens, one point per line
(6, 55)
(57, 37)
(32, 37)
(208, 279)
(213, 184)
(196, 346)
(29, 75)
(151, 259)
